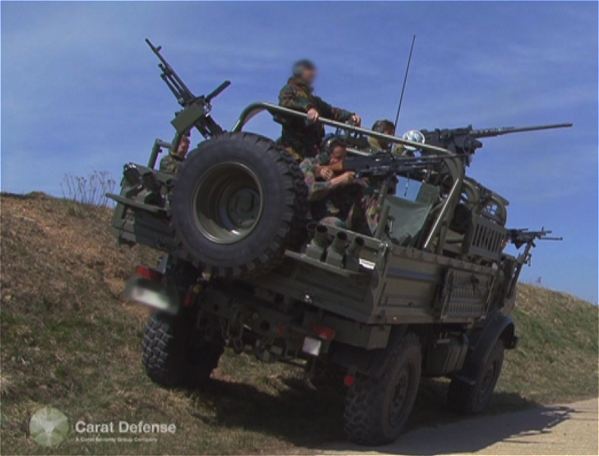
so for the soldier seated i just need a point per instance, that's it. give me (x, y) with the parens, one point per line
(335, 196)
(172, 162)
(381, 126)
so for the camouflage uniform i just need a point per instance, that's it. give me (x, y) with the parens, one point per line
(302, 139)
(372, 198)
(341, 206)
(170, 164)
(375, 146)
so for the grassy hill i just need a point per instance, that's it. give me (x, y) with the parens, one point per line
(67, 340)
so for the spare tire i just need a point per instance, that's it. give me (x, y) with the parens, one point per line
(238, 203)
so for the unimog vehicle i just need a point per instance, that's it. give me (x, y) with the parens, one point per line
(428, 292)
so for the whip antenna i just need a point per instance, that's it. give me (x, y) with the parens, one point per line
(405, 80)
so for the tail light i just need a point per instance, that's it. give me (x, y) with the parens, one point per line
(147, 273)
(349, 380)
(324, 332)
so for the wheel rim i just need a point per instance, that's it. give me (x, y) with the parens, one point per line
(228, 203)
(398, 400)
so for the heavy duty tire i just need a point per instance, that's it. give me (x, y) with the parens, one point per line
(377, 408)
(238, 203)
(172, 356)
(464, 397)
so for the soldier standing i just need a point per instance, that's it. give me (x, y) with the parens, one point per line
(302, 139)
(172, 162)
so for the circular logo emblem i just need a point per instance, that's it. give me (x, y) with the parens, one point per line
(48, 426)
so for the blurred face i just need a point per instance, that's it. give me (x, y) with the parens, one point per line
(309, 75)
(338, 154)
(389, 130)
(183, 147)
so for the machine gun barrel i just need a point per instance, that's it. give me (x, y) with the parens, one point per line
(523, 236)
(490, 132)
(171, 78)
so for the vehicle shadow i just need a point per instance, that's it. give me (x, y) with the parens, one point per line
(312, 419)
(447, 433)
(296, 414)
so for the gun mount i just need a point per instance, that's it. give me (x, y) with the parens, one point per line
(523, 236)
(196, 109)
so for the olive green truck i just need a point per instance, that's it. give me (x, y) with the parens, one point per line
(427, 292)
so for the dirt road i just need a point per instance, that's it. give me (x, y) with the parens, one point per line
(570, 429)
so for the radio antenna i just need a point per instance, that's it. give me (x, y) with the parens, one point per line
(405, 80)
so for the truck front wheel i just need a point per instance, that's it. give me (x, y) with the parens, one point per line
(173, 355)
(377, 407)
(474, 396)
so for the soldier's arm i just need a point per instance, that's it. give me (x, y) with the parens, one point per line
(317, 189)
(291, 98)
(326, 110)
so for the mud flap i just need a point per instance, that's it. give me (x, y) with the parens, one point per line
(498, 326)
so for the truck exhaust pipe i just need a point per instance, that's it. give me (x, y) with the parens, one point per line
(318, 245)
(336, 252)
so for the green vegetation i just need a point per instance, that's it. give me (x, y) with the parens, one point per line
(556, 359)
(68, 341)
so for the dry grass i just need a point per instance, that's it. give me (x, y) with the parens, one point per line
(68, 341)
(90, 190)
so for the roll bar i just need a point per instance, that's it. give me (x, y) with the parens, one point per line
(454, 162)
(256, 108)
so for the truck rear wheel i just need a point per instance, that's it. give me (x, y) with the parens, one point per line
(377, 407)
(238, 203)
(172, 356)
(474, 397)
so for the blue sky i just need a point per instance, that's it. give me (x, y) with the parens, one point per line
(81, 91)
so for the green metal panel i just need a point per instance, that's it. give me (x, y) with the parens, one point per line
(324, 286)
(415, 281)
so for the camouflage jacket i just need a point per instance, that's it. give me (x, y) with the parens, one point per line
(170, 164)
(303, 138)
(343, 205)
(375, 146)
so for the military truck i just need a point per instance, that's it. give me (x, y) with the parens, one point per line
(427, 293)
